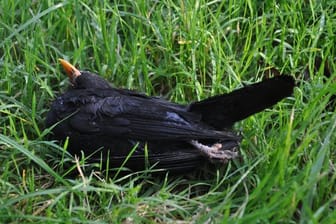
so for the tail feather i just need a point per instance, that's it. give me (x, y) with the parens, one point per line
(223, 110)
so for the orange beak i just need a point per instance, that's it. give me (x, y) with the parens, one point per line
(71, 70)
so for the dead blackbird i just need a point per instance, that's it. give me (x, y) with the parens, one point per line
(111, 123)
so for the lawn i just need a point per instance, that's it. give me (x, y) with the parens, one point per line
(183, 51)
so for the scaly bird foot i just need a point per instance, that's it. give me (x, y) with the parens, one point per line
(215, 152)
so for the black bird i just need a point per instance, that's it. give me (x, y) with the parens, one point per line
(113, 123)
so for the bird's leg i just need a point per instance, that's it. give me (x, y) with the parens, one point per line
(215, 152)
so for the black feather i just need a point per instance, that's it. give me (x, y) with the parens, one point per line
(97, 116)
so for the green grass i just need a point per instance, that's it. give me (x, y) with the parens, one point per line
(183, 51)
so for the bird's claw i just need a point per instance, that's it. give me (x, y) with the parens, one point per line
(215, 152)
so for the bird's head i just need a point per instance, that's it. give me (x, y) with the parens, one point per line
(83, 79)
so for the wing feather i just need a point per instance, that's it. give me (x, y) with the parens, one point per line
(136, 116)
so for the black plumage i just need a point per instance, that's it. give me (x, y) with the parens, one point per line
(110, 121)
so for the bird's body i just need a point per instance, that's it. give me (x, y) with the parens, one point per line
(116, 121)
(113, 121)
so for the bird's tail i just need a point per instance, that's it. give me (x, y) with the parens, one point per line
(223, 110)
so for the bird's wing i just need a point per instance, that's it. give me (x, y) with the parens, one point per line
(138, 117)
(180, 160)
